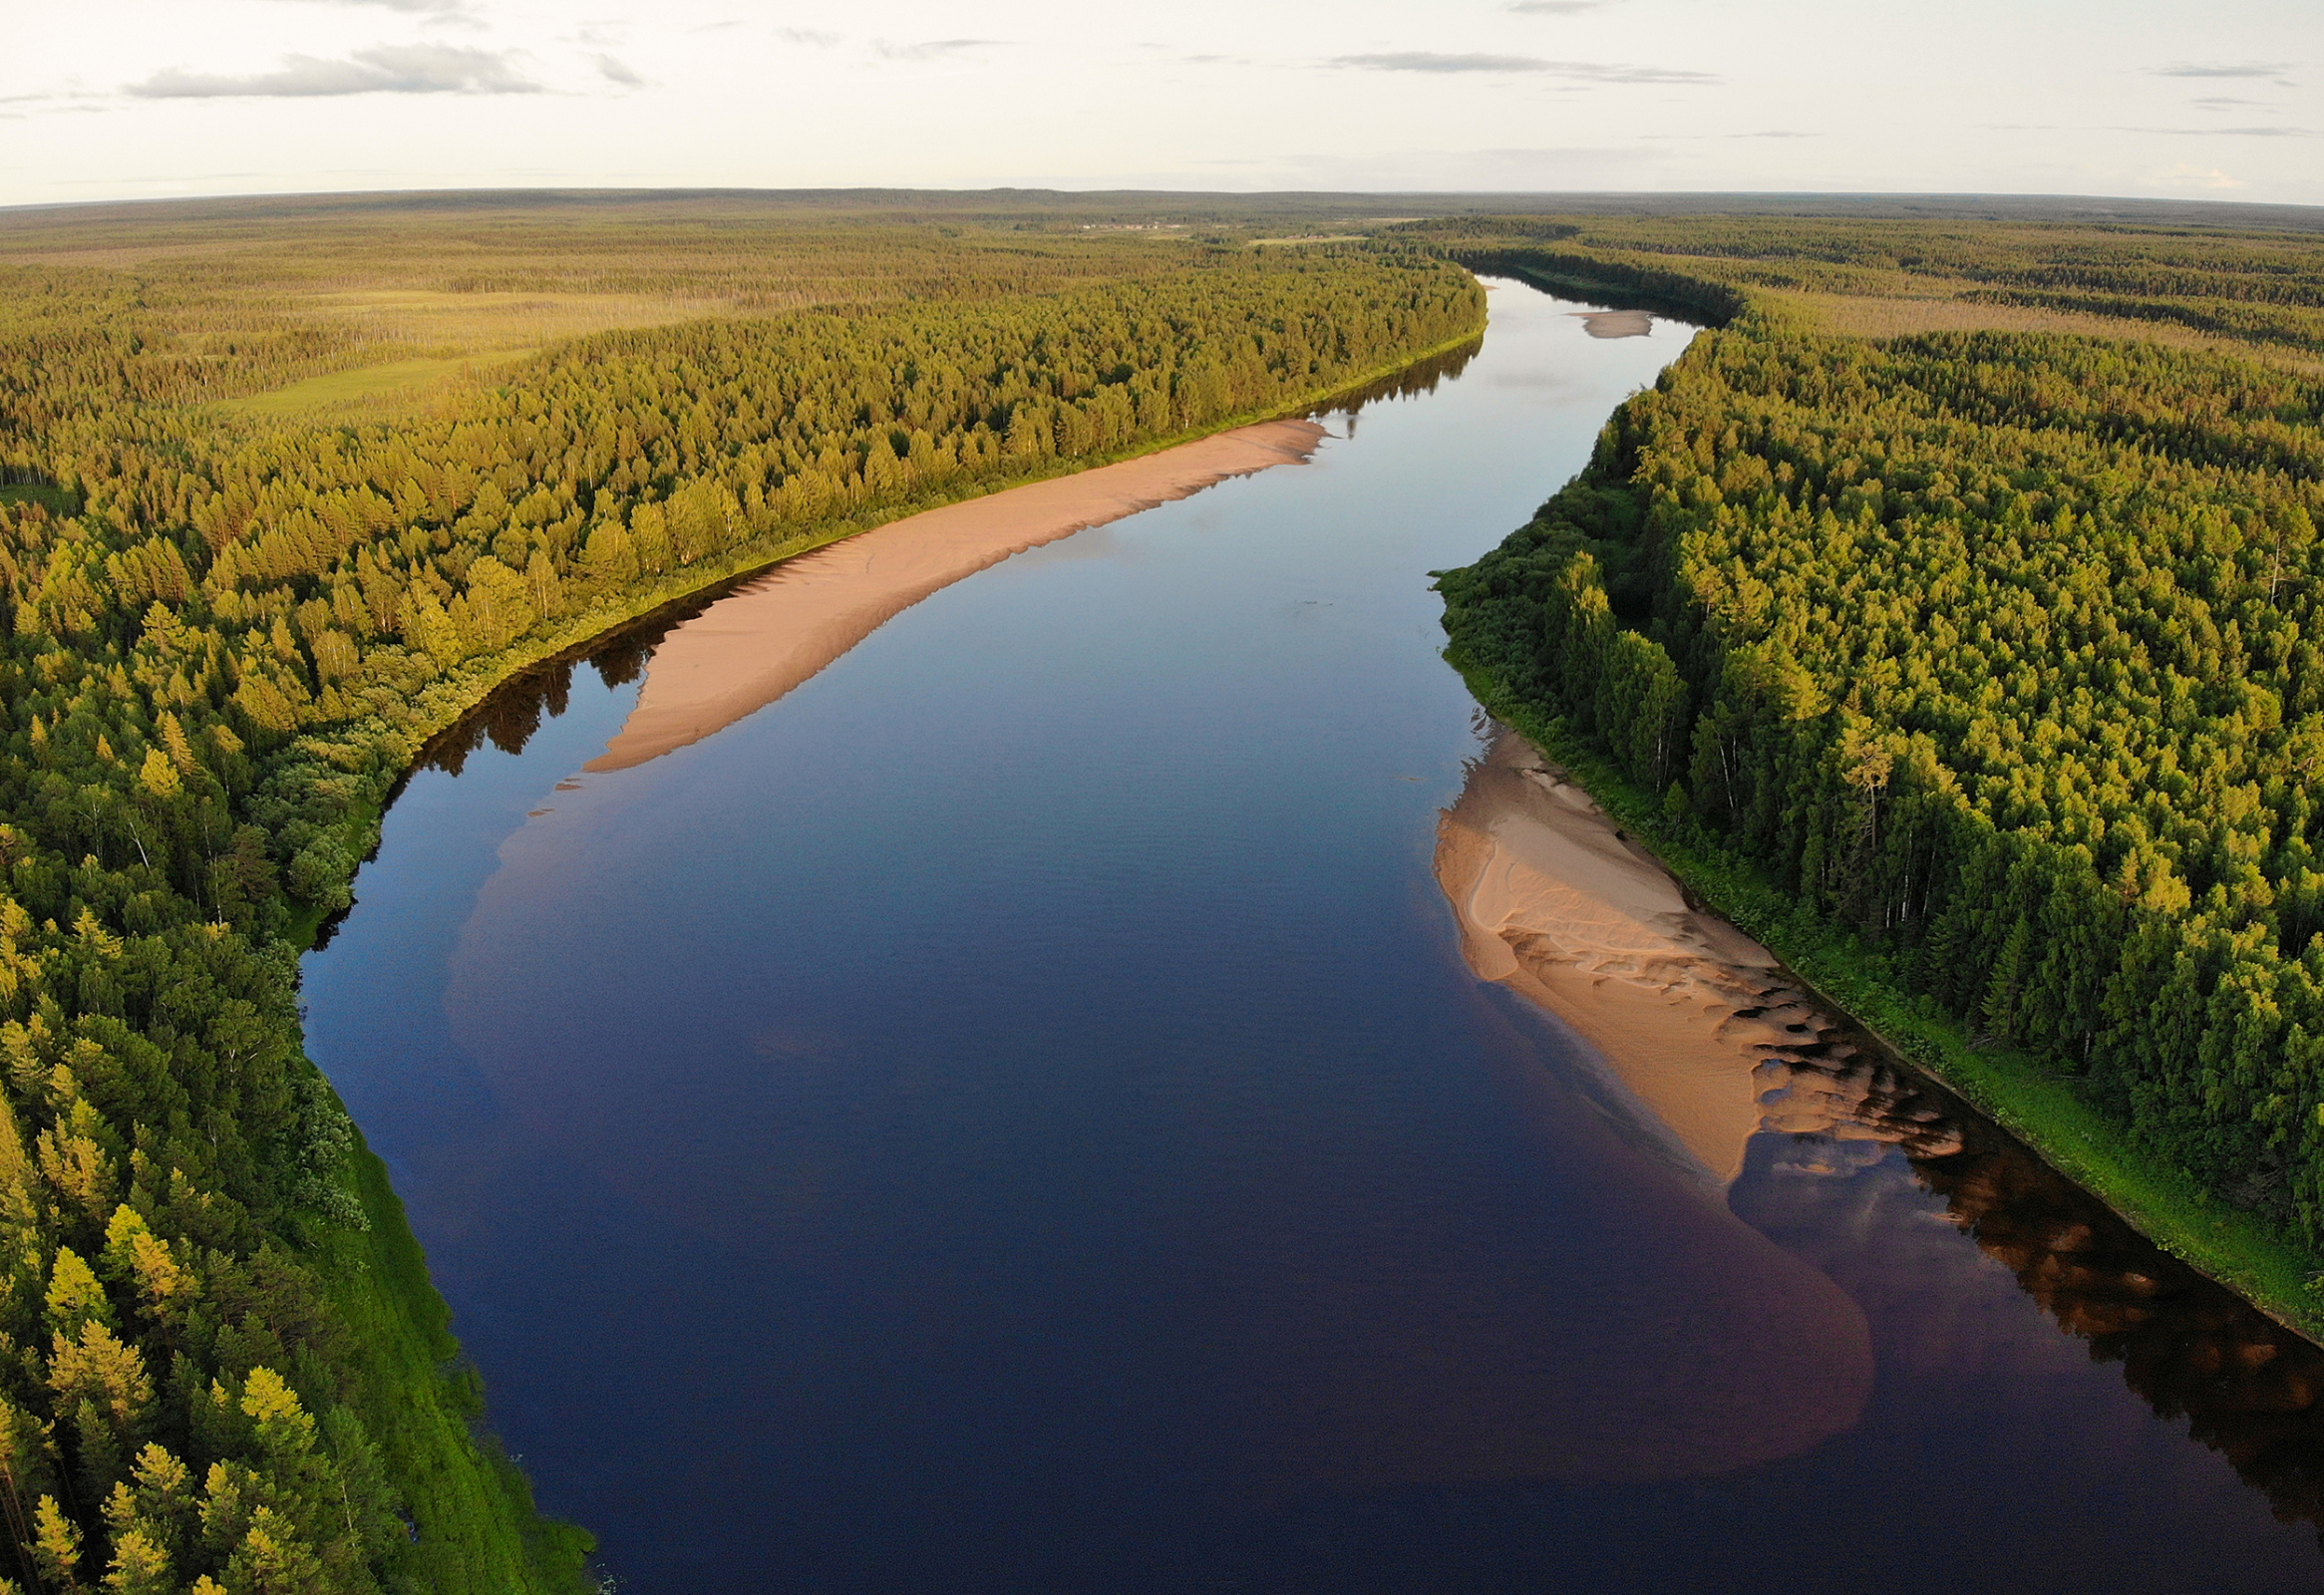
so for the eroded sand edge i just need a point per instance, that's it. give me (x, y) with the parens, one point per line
(749, 649)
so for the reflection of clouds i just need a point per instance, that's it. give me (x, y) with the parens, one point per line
(1551, 382)
(1824, 1157)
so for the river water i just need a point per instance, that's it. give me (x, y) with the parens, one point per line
(1013, 1115)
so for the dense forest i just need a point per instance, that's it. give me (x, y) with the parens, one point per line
(228, 629)
(2257, 293)
(2003, 648)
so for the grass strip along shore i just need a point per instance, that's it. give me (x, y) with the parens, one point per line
(1967, 660)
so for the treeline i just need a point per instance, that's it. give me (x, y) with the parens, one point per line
(215, 666)
(2265, 288)
(2002, 649)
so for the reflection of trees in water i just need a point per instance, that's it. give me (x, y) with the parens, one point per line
(1413, 382)
(517, 709)
(2248, 1387)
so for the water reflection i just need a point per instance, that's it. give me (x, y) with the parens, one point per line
(2248, 1387)
(515, 711)
(1705, 1040)
(1413, 382)
(1013, 1117)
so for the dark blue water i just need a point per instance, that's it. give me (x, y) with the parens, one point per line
(1012, 1117)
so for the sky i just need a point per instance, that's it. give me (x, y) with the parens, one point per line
(136, 99)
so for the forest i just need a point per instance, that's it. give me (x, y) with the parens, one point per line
(1995, 640)
(247, 577)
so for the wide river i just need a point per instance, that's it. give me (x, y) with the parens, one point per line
(1013, 1115)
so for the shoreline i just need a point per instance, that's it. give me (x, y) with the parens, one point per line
(472, 1496)
(453, 697)
(459, 693)
(780, 629)
(2043, 1113)
(1700, 1024)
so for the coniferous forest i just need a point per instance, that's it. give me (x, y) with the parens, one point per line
(1991, 640)
(1963, 582)
(286, 495)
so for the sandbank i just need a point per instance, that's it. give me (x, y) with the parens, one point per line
(1695, 1018)
(1616, 323)
(749, 649)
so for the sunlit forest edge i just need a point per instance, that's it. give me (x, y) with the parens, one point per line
(233, 623)
(290, 484)
(1947, 617)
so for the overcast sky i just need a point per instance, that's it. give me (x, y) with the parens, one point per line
(130, 99)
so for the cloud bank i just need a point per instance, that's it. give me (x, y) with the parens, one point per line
(1572, 71)
(2251, 69)
(381, 68)
(935, 49)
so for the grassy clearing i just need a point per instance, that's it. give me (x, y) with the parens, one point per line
(483, 322)
(360, 392)
(2044, 1109)
(56, 500)
(1883, 316)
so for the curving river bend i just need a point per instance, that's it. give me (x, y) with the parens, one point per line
(1013, 1114)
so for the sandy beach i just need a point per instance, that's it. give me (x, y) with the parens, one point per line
(1695, 1018)
(1616, 323)
(749, 649)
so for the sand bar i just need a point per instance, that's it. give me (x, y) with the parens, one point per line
(1616, 323)
(749, 649)
(1695, 1018)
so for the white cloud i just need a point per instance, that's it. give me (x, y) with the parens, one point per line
(1573, 71)
(459, 12)
(2188, 175)
(2270, 131)
(935, 49)
(2249, 69)
(381, 68)
(280, 96)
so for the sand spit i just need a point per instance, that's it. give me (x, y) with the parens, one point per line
(1616, 323)
(1693, 1016)
(746, 650)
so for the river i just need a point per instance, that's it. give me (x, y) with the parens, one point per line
(1013, 1114)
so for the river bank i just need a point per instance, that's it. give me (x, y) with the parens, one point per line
(2040, 1108)
(760, 641)
(457, 692)
(474, 1503)
(1014, 1114)
(1695, 1019)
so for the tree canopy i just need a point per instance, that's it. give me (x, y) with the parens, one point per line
(227, 632)
(2000, 646)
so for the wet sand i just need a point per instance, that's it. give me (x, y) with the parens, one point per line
(1557, 905)
(747, 650)
(1692, 1016)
